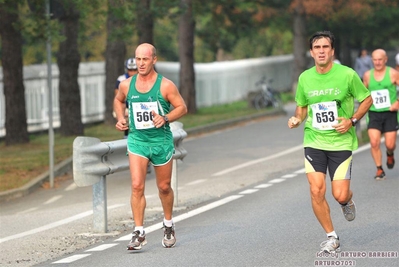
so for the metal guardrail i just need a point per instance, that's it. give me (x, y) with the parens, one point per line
(93, 160)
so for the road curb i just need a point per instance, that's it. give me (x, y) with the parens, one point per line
(66, 165)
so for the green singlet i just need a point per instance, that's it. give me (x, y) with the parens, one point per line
(383, 92)
(141, 128)
(328, 96)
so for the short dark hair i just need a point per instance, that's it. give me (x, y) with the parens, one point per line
(322, 34)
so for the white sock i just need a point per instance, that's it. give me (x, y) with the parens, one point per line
(332, 234)
(140, 229)
(168, 223)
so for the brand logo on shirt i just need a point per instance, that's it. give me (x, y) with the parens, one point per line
(330, 91)
(134, 96)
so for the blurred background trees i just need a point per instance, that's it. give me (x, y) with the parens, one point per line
(110, 30)
(224, 29)
(11, 45)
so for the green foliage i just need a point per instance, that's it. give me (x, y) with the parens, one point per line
(382, 25)
(167, 44)
(166, 9)
(222, 23)
(371, 23)
(238, 28)
(126, 14)
(266, 43)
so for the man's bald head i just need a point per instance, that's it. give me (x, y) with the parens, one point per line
(146, 48)
(379, 57)
(379, 53)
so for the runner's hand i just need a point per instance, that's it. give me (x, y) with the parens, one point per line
(122, 125)
(293, 122)
(344, 125)
(158, 120)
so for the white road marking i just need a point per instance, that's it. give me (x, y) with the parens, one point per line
(102, 247)
(226, 200)
(300, 171)
(194, 212)
(263, 185)
(206, 207)
(275, 181)
(285, 152)
(197, 182)
(248, 191)
(72, 258)
(54, 224)
(289, 176)
(53, 199)
(365, 147)
(186, 215)
(252, 162)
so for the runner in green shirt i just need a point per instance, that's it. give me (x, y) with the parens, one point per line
(382, 119)
(150, 97)
(325, 96)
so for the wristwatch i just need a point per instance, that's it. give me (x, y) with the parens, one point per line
(354, 121)
(166, 119)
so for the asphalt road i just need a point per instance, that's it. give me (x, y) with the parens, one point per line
(243, 200)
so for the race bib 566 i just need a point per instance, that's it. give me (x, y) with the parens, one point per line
(142, 114)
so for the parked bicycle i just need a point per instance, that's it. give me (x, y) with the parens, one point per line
(266, 96)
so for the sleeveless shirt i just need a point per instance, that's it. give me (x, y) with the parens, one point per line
(383, 92)
(141, 128)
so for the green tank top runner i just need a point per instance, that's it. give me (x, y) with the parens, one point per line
(383, 92)
(141, 128)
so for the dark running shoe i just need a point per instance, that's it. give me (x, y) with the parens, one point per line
(390, 161)
(137, 241)
(380, 174)
(169, 240)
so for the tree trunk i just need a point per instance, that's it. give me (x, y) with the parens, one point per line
(345, 53)
(300, 43)
(114, 58)
(14, 91)
(186, 55)
(145, 22)
(68, 63)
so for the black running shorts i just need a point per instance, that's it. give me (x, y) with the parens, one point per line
(339, 163)
(386, 121)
